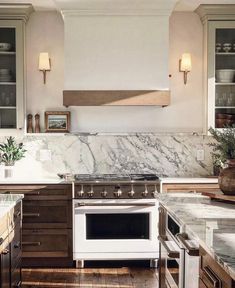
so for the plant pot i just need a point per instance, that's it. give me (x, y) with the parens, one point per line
(9, 171)
(227, 178)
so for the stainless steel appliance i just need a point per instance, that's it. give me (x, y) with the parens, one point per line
(178, 254)
(115, 217)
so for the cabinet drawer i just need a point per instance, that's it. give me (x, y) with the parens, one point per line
(46, 243)
(16, 248)
(47, 214)
(40, 192)
(212, 274)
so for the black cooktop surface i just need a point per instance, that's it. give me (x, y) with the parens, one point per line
(115, 177)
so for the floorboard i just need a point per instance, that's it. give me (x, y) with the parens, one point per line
(90, 278)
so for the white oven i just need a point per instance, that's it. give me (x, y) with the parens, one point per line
(115, 229)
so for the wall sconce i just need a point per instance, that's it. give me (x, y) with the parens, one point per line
(185, 65)
(44, 64)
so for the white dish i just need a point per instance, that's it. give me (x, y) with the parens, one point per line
(5, 46)
(225, 75)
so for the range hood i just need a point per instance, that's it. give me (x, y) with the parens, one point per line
(116, 52)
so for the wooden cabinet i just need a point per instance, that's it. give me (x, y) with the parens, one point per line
(212, 274)
(10, 251)
(47, 224)
(12, 63)
(219, 58)
(190, 187)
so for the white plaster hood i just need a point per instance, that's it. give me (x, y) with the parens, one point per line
(116, 45)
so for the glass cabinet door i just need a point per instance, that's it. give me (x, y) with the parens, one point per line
(7, 77)
(221, 74)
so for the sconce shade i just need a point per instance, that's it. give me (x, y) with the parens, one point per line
(186, 62)
(44, 62)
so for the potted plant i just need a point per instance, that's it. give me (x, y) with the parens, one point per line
(10, 153)
(224, 151)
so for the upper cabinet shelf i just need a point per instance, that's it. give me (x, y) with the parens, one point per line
(116, 98)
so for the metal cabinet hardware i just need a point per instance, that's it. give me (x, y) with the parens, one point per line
(182, 238)
(31, 215)
(170, 253)
(31, 243)
(212, 277)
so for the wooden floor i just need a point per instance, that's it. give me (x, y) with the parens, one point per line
(90, 278)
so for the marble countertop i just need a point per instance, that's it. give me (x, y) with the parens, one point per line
(211, 223)
(28, 180)
(7, 202)
(189, 180)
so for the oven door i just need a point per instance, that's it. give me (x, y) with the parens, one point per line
(123, 229)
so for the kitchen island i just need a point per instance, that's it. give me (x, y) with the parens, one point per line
(210, 223)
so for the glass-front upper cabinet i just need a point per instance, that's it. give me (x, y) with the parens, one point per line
(221, 80)
(11, 74)
(13, 19)
(219, 64)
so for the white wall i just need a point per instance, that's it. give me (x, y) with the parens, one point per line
(45, 32)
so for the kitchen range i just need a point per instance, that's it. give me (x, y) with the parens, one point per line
(115, 217)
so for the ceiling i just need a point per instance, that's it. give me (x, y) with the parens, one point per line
(182, 5)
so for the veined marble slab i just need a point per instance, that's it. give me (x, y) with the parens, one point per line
(211, 223)
(165, 155)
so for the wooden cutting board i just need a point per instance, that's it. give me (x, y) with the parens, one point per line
(219, 196)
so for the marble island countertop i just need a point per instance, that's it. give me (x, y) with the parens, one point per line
(7, 202)
(211, 223)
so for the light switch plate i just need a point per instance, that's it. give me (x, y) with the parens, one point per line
(45, 155)
(200, 154)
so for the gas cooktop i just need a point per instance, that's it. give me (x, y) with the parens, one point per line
(115, 177)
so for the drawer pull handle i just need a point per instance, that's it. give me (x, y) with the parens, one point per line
(17, 215)
(18, 285)
(212, 277)
(17, 245)
(5, 252)
(183, 238)
(170, 253)
(31, 243)
(31, 215)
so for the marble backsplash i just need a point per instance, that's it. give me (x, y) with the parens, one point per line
(166, 155)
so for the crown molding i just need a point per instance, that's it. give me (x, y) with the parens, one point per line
(116, 12)
(16, 11)
(209, 12)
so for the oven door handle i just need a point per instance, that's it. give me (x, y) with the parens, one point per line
(82, 204)
(170, 253)
(183, 239)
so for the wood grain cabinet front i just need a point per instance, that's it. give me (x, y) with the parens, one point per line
(47, 224)
(212, 275)
(189, 187)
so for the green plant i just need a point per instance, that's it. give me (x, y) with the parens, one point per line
(11, 151)
(224, 146)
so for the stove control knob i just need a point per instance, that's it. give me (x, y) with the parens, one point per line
(104, 193)
(145, 192)
(80, 193)
(118, 193)
(90, 193)
(131, 193)
(154, 194)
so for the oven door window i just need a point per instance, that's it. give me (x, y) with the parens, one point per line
(117, 226)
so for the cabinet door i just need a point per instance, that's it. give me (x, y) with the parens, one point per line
(11, 74)
(221, 74)
(5, 268)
